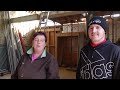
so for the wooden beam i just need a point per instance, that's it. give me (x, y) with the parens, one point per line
(25, 18)
(53, 14)
(64, 13)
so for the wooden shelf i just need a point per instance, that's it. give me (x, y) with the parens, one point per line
(69, 34)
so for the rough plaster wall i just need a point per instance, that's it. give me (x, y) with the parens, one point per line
(4, 64)
(2, 37)
(0, 21)
(116, 33)
(110, 31)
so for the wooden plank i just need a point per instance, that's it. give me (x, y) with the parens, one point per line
(68, 34)
(25, 18)
(68, 47)
(53, 14)
(56, 14)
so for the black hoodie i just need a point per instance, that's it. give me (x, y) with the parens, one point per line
(100, 62)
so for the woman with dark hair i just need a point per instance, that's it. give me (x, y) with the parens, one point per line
(37, 63)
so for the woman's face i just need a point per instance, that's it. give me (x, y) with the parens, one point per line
(39, 43)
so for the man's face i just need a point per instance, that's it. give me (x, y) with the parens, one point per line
(96, 33)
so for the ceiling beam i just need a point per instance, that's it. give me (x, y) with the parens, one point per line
(57, 14)
(24, 18)
(53, 14)
(64, 13)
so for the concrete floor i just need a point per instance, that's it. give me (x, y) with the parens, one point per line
(65, 73)
(6, 76)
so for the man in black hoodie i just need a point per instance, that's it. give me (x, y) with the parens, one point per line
(100, 58)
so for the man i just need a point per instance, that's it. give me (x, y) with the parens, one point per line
(99, 59)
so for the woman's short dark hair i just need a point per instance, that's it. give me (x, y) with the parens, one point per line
(40, 33)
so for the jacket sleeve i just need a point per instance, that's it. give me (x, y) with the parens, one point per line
(52, 69)
(78, 75)
(78, 70)
(15, 74)
(116, 72)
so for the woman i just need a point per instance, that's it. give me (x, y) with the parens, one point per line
(37, 63)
